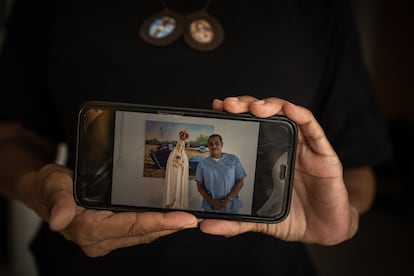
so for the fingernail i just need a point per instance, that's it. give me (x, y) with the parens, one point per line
(233, 99)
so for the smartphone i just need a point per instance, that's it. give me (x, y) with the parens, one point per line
(123, 151)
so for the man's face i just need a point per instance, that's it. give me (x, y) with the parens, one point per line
(215, 146)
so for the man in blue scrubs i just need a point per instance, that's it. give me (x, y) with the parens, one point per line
(219, 178)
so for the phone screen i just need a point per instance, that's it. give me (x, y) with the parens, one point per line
(136, 157)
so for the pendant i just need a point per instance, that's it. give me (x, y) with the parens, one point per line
(203, 32)
(162, 28)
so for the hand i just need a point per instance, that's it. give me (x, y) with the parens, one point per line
(218, 204)
(320, 209)
(49, 193)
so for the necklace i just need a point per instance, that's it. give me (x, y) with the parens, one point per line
(200, 30)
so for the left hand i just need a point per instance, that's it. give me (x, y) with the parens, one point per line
(320, 209)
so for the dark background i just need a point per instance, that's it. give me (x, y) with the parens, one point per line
(385, 238)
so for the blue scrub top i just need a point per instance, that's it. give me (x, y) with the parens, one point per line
(219, 178)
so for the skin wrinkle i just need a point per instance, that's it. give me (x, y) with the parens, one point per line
(100, 248)
(328, 238)
(293, 213)
(98, 245)
(134, 218)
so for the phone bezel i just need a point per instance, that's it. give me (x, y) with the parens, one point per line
(194, 112)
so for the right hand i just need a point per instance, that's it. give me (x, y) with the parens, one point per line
(218, 204)
(49, 192)
(321, 210)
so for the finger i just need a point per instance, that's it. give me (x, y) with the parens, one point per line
(302, 116)
(99, 225)
(311, 130)
(217, 105)
(238, 104)
(267, 107)
(62, 210)
(102, 248)
(226, 228)
(58, 197)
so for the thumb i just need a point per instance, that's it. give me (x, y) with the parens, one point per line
(59, 200)
(62, 210)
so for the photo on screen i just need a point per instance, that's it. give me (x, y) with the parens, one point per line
(144, 141)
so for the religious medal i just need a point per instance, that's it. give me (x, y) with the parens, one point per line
(203, 32)
(162, 28)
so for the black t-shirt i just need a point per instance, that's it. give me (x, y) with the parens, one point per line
(59, 54)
